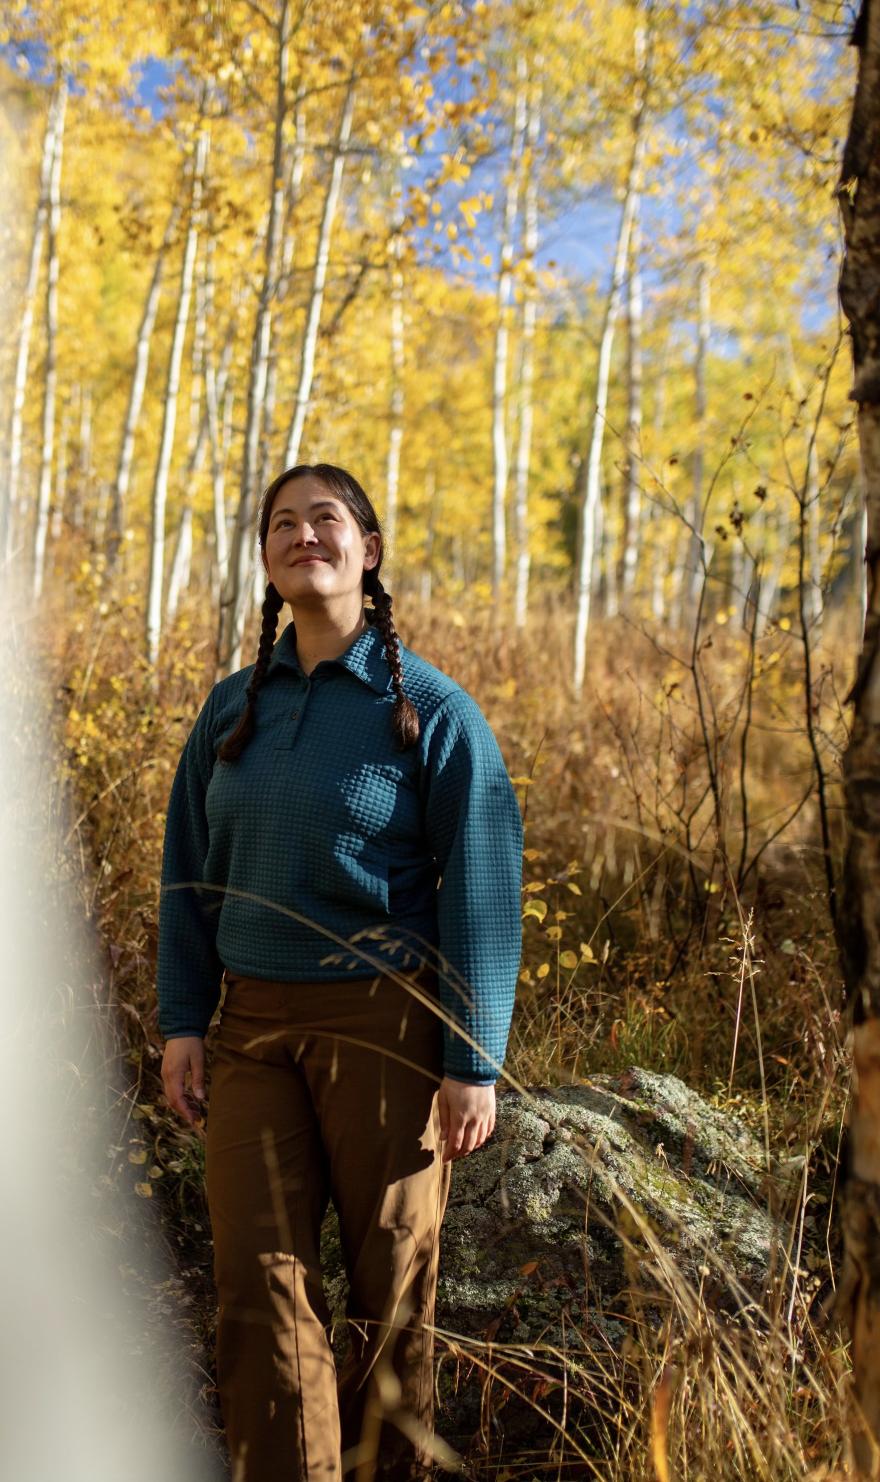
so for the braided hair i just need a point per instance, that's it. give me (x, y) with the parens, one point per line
(404, 716)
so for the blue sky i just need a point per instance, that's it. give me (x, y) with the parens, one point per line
(578, 242)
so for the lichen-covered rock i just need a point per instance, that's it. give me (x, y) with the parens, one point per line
(565, 1169)
(575, 1203)
(567, 1172)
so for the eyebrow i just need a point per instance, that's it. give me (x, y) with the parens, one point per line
(315, 504)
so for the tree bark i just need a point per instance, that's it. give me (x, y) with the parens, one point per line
(239, 578)
(527, 357)
(432, 502)
(395, 432)
(696, 543)
(84, 458)
(288, 249)
(56, 513)
(502, 333)
(122, 481)
(632, 484)
(181, 564)
(319, 278)
(9, 504)
(169, 410)
(240, 583)
(591, 468)
(859, 916)
(44, 493)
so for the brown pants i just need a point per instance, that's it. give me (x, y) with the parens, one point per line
(323, 1089)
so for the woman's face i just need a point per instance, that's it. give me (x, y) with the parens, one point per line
(315, 549)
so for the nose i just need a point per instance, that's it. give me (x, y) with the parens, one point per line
(306, 534)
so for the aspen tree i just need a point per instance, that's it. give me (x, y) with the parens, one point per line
(285, 272)
(181, 562)
(589, 476)
(632, 482)
(396, 327)
(119, 492)
(56, 517)
(9, 507)
(319, 277)
(239, 585)
(240, 569)
(527, 351)
(698, 549)
(859, 916)
(169, 408)
(810, 495)
(513, 187)
(50, 379)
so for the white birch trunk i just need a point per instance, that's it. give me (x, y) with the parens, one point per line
(288, 250)
(772, 581)
(44, 493)
(169, 413)
(607, 556)
(10, 513)
(395, 434)
(84, 460)
(244, 582)
(809, 494)
(218, 460)
(319, 279)
(242, 574)
(590, 472)
(659, 547)
(122, 481)
(697, 551)
(527, 358)
(502, 333)
(633, 480)
(181, 564)
(430, 522)
(56, 515)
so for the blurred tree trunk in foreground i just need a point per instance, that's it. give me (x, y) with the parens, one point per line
(859, 934)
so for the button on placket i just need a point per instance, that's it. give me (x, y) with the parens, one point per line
(298, 711)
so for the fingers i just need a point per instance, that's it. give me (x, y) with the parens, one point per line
(466, 1134)
(182, 1058)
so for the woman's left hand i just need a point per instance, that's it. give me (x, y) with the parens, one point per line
(467, 1117)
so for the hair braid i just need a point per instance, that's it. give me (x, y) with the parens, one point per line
(404, 716)
(235, 743)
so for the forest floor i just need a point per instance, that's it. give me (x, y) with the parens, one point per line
(676, 918)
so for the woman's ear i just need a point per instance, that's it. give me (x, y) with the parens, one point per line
(372, 550)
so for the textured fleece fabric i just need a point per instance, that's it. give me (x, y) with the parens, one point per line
(325, 852)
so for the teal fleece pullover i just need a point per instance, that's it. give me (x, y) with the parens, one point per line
(326, 852)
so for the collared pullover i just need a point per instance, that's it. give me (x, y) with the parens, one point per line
(327, 852)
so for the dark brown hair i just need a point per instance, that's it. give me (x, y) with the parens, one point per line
(404, 716)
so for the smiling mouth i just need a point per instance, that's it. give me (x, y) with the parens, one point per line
(309, 560)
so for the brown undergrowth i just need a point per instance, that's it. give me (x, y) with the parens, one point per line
(675, 916)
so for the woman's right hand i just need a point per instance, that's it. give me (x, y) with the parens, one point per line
(186, 1054)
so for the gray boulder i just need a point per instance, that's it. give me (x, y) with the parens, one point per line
(570, 1226)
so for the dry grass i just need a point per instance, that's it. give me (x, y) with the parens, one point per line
(670, 922)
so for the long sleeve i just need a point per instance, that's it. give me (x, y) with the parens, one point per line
(474, 830)
(189, 970)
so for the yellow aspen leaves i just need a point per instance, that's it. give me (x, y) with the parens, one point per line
(453, 168)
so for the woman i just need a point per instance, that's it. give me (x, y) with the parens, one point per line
(344, 846)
